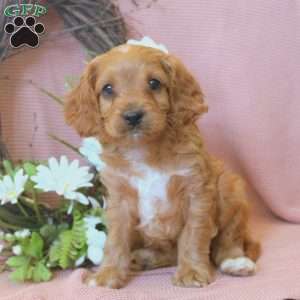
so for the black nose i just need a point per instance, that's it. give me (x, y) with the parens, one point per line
(133, 118)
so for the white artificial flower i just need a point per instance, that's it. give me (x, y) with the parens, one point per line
(95, 254)
(95, 239)
(22, 234)
(64, 179)
(1, 248)
(80, 261)
(12, 188)
(94, 202)
(91, 149)
(9, 237)
(92, 221)
(17, 250)
(148, 42)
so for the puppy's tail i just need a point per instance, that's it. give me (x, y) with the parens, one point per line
(252, 248)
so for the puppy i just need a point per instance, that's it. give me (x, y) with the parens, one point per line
(169, 201)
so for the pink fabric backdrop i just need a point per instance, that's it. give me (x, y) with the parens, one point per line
(246, 56)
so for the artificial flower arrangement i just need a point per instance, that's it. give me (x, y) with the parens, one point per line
(36, 238)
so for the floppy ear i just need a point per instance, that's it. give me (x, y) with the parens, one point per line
(81, 109)
(187, 102)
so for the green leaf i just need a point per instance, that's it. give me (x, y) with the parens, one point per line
(30, 168)
(17, 261)
(41, 273)
(34, 247)
(29, 186)
(16, 169)
(54, 252)
(8, 215)
(66, 238)
(29, 274)
(8, 167)
(62, 227)
(19, 275)
(49, 232)
(70, 245)
(78, 229)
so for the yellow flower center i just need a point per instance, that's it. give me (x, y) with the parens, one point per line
(66, 186)
(12, 194)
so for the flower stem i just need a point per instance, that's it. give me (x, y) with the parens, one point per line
(27, 201)
(22, 209)
(36, 207)
(9, 226)
(64, 143)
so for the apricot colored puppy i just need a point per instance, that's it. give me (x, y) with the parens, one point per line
(169, 201)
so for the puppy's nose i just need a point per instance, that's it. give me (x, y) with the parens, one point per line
(133, 118)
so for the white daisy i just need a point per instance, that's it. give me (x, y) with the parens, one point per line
(12, 188)
(95, 239)
(64, 179)
(148, 42)
(9, 237)
(22, 234)
(17, 250)
(94, 202)
(91, 149)
(80, 261)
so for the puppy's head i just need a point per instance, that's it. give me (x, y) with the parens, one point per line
(132, 94)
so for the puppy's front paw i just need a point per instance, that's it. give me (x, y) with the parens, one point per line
(109, 277)
(193, 277)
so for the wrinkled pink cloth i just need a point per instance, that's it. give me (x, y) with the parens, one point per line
(246, 56)
(277, 278)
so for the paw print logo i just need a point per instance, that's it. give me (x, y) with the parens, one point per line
(24, 32)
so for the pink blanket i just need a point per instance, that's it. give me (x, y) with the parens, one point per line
(246, 56)
(278, 276)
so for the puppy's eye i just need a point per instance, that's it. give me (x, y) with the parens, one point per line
(107, 90)
(154, 84)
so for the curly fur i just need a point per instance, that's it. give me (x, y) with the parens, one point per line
(170, 202)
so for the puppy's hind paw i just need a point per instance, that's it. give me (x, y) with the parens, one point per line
(239, 266)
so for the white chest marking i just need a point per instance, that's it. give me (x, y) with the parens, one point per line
(152, 187)
(152, 191)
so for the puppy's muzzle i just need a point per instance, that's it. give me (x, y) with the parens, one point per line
(133, 118)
